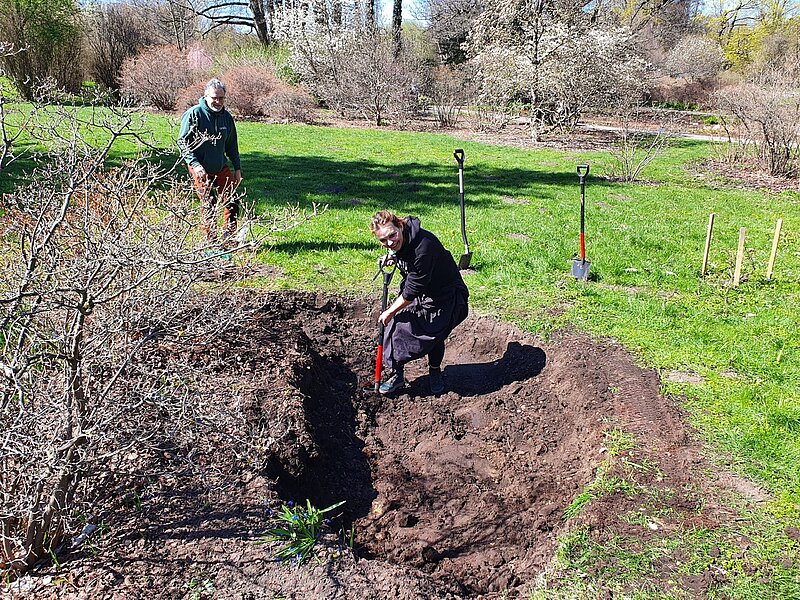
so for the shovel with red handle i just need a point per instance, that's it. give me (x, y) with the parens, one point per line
(580, 266)
(387, 280)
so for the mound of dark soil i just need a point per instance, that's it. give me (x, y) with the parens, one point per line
(458, 496)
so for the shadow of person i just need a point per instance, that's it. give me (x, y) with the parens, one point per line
(519, 362)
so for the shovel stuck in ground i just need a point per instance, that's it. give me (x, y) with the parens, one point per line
(387, 270)
(580, 266)
(464, 260)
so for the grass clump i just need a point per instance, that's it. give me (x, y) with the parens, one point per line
(299, 529)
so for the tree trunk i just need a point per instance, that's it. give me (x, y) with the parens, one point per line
(397, 23)
(260, 22)
(371, 21)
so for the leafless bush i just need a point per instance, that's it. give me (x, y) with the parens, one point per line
(449, 92)
(97, 267)
(190, 95)
(248, 89)
(357, 73)
(155, 76)
(493, 117)
(740, 148)
(291, 104)
(695, 58)
(767, 110)
(670, 89)
(635, 150)
(114, 33)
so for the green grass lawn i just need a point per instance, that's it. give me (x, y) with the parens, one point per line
(644, 241)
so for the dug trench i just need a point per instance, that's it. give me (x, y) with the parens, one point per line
(463, 495)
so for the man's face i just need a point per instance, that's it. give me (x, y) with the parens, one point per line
(215, 99)
(390, 236)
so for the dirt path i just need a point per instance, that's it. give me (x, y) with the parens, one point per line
(458, 496)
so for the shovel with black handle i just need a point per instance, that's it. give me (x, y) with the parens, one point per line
(463, 261)
(580, 266)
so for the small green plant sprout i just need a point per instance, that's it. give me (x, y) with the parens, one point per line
(199, 587)
(300, 528)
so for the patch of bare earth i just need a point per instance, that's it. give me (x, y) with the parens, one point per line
(457, 496)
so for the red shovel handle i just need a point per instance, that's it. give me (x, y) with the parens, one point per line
(378, 367)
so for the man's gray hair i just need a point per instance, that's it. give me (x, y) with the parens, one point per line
(214, 84)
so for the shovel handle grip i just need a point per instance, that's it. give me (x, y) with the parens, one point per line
(583, 171)
(458, 154)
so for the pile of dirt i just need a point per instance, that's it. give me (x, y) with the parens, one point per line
(458, 496)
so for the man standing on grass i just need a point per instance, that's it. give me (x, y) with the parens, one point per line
(207, 136)
(432, 301)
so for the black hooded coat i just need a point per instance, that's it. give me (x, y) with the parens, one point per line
(438, 295)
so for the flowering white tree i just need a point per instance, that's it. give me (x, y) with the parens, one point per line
(695, 57)
(555, 55)
(358, 71)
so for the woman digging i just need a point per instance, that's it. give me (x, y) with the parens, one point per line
(432, 300)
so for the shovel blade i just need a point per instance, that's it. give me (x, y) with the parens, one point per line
(580, 269)
(463, 262)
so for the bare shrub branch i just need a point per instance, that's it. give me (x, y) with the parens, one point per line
(767, 110)
(155, 76)
(635, 150)
(98, 267)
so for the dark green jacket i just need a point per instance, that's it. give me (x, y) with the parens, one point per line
(211, 153)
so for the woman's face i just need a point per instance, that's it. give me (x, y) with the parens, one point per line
(390, 236)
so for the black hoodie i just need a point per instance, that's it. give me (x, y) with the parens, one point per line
(427, 266)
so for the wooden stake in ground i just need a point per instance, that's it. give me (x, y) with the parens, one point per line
(708, 244)
(739, 255)
(772, 254)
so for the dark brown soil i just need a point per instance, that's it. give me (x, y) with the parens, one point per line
(457, 496)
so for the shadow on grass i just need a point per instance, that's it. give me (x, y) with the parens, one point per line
(411, 187)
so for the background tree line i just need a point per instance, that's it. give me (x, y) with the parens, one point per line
(491, 61)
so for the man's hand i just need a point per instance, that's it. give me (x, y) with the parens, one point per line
(200, 172)
(237, 177)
